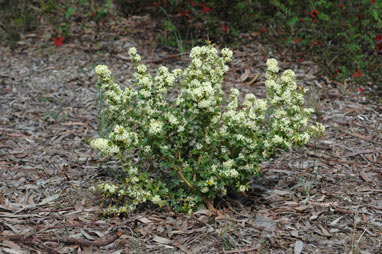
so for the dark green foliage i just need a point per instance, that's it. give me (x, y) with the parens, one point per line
(343, 37)
(18, 17)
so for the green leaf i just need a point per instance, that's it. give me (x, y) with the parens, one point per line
(69, 12)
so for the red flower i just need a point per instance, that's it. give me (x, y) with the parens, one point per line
(373, 1)
(314, 20)
(156, 4)
(378, 40)
(225, 28)
(299, 60)
(206, 9)
(341, 5)
(314, 43)
(302, 20)
(184, 13)
(361, 89)
(58, 41)
(297, 40)
(357, 73)
(312, 13)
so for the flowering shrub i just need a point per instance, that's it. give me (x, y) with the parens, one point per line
(195, 147)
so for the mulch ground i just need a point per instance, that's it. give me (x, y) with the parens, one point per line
(325, 198)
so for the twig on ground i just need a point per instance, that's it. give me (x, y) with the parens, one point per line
(165, 58)
(66, 240)
(241, 251)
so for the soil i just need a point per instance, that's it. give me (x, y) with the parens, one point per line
(324, 198)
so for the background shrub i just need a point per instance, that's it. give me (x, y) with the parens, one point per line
(343, 37)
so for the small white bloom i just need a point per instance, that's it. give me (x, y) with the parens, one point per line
(261, 104)
(155, 127)
(132, 51)
(113, 149)
(234, 92)
(134, 179)
(100, 144)
(137, 58)
(195, 51)
(145, 81)
(147, 149)
(211, 181)
(181, 128)
(277, 139)
(233, 173)
(242, 188)
(227, 54)
(266, 144)
(228, 164)
(133, 170)
(240, 137)
(308, 110)
(197, 62)
(141, 68)
(172, 119)
(204, 103)
(272, 65)
(288, 76)
(156, 199)
(145, 93)
(103, 71)
(170, 79)
(162, 70)
(223, 131)
(249, 99)
(177, 72)
(164, 147)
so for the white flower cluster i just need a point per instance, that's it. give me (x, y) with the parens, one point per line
(289, 121)
(272, 65)
(121, 134)
(155, 127)
(103, 71)
(104, 146)
(203, 79)
(210, 145)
